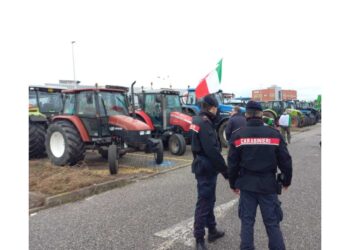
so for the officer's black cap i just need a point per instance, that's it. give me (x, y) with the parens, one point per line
(210, 100)
(253, 106)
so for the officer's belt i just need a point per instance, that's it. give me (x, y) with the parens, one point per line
(254, 173)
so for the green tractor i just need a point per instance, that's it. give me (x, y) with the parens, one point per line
(274, 109)
(44, 102)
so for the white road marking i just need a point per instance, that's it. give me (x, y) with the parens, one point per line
(33, 214)
(182, 232)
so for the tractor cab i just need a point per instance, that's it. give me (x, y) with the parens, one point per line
(103, 111)
(225, 107)
(44, 100)
(161, 106)
(162, 111)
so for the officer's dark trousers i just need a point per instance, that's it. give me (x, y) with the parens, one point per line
(271, 212)
(204, 213)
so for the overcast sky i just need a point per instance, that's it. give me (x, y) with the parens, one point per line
(261, 42)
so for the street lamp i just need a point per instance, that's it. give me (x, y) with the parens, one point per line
(73, 42)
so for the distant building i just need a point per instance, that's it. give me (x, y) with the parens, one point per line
(288, 95)
(273, 93)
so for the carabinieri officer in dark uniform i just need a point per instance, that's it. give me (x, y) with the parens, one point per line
(207, 163)
(255, 153)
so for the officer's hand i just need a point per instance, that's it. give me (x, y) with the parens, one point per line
(285, 188)
(236, 191)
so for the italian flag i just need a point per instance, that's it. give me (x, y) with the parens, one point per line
(211, 82)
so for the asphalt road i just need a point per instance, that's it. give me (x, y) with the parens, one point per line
(157, 213)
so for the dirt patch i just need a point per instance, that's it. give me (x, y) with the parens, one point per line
(48, 179)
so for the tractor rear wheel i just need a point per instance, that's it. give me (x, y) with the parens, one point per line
(37, 133)
(64, 144)
(113, 159)
(302, 121)
(159, 154)
(177, 144)
(222, 134)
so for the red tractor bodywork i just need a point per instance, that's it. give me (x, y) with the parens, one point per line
(182, 120)
(77, 123)
(145, 118)
(128, 123)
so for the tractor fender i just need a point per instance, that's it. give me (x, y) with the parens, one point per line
(189, 111)
(145, 117)
(191, 108)
(77, 123)
(37, 118)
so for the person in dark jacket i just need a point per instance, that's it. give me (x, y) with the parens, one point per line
(256, 151)
(236, 121)
(206, 165)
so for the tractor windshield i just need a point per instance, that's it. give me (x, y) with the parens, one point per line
(191, 98)
(50, 102)
(114, 103)
(32, 99)
(173, 103)
(290, 105)
(264, 105)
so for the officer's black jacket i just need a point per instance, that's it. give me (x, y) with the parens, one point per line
(255, 153)
(206, 147)
(236, 121)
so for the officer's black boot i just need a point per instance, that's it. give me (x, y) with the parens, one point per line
(200, 244)
(215, 234)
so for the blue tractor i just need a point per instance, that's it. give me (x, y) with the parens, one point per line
(191, 106)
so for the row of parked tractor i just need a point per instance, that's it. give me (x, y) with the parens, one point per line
(64, 123)
(303, 113)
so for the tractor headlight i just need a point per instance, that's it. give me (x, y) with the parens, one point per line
(148, 132)
(142, 132)
(111, 128)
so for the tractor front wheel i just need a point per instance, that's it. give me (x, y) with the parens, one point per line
(159, 153)
(222, 134)
(177, 144)
(64, 144)
(113, 159)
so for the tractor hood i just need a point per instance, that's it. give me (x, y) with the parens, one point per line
(128, 123)
(225, 108)
(182, 120)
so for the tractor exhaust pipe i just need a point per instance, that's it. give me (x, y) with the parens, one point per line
(133, 100)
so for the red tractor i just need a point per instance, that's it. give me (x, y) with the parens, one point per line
(162, 111)
(98, 118)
